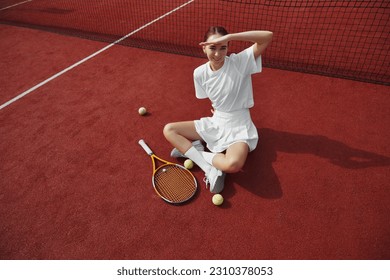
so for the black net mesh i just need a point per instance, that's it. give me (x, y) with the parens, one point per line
(347, 39)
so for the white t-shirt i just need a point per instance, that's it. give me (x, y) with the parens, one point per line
(230, 87)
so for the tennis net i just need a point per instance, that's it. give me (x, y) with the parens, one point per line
(346, 39)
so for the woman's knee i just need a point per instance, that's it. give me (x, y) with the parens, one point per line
(185, 129)
(234, 165)
(235, 157)
(169, 129)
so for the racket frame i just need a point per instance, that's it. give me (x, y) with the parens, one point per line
(165, 163)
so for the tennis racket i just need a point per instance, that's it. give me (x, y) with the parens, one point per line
(172, 182)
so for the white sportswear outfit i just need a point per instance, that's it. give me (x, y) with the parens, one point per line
(230, 92)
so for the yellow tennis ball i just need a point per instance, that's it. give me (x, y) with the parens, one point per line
(188, 164)
(142, 111)
(217, 199)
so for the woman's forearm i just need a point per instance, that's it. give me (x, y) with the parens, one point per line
(255, 36)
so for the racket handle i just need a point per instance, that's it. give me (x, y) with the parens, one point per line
(145, 147)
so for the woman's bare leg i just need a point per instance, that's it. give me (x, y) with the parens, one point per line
(234, 158)
(181, 134)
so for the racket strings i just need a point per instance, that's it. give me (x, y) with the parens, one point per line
(174, 183)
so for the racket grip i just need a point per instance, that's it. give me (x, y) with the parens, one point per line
(145, 147)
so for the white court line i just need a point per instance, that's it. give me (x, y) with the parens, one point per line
(15, 5)
(91, 56)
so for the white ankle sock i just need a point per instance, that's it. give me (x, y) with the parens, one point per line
(197, 157)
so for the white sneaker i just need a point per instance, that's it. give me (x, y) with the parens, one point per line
(175, 153)
(215, 179)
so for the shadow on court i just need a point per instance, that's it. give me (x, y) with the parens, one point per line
(259, 176)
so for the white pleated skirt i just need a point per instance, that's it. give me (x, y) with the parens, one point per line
(226, 128)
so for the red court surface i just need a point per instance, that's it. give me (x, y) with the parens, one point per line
(75, 184)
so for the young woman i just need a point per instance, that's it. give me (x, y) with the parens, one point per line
(226, 80)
